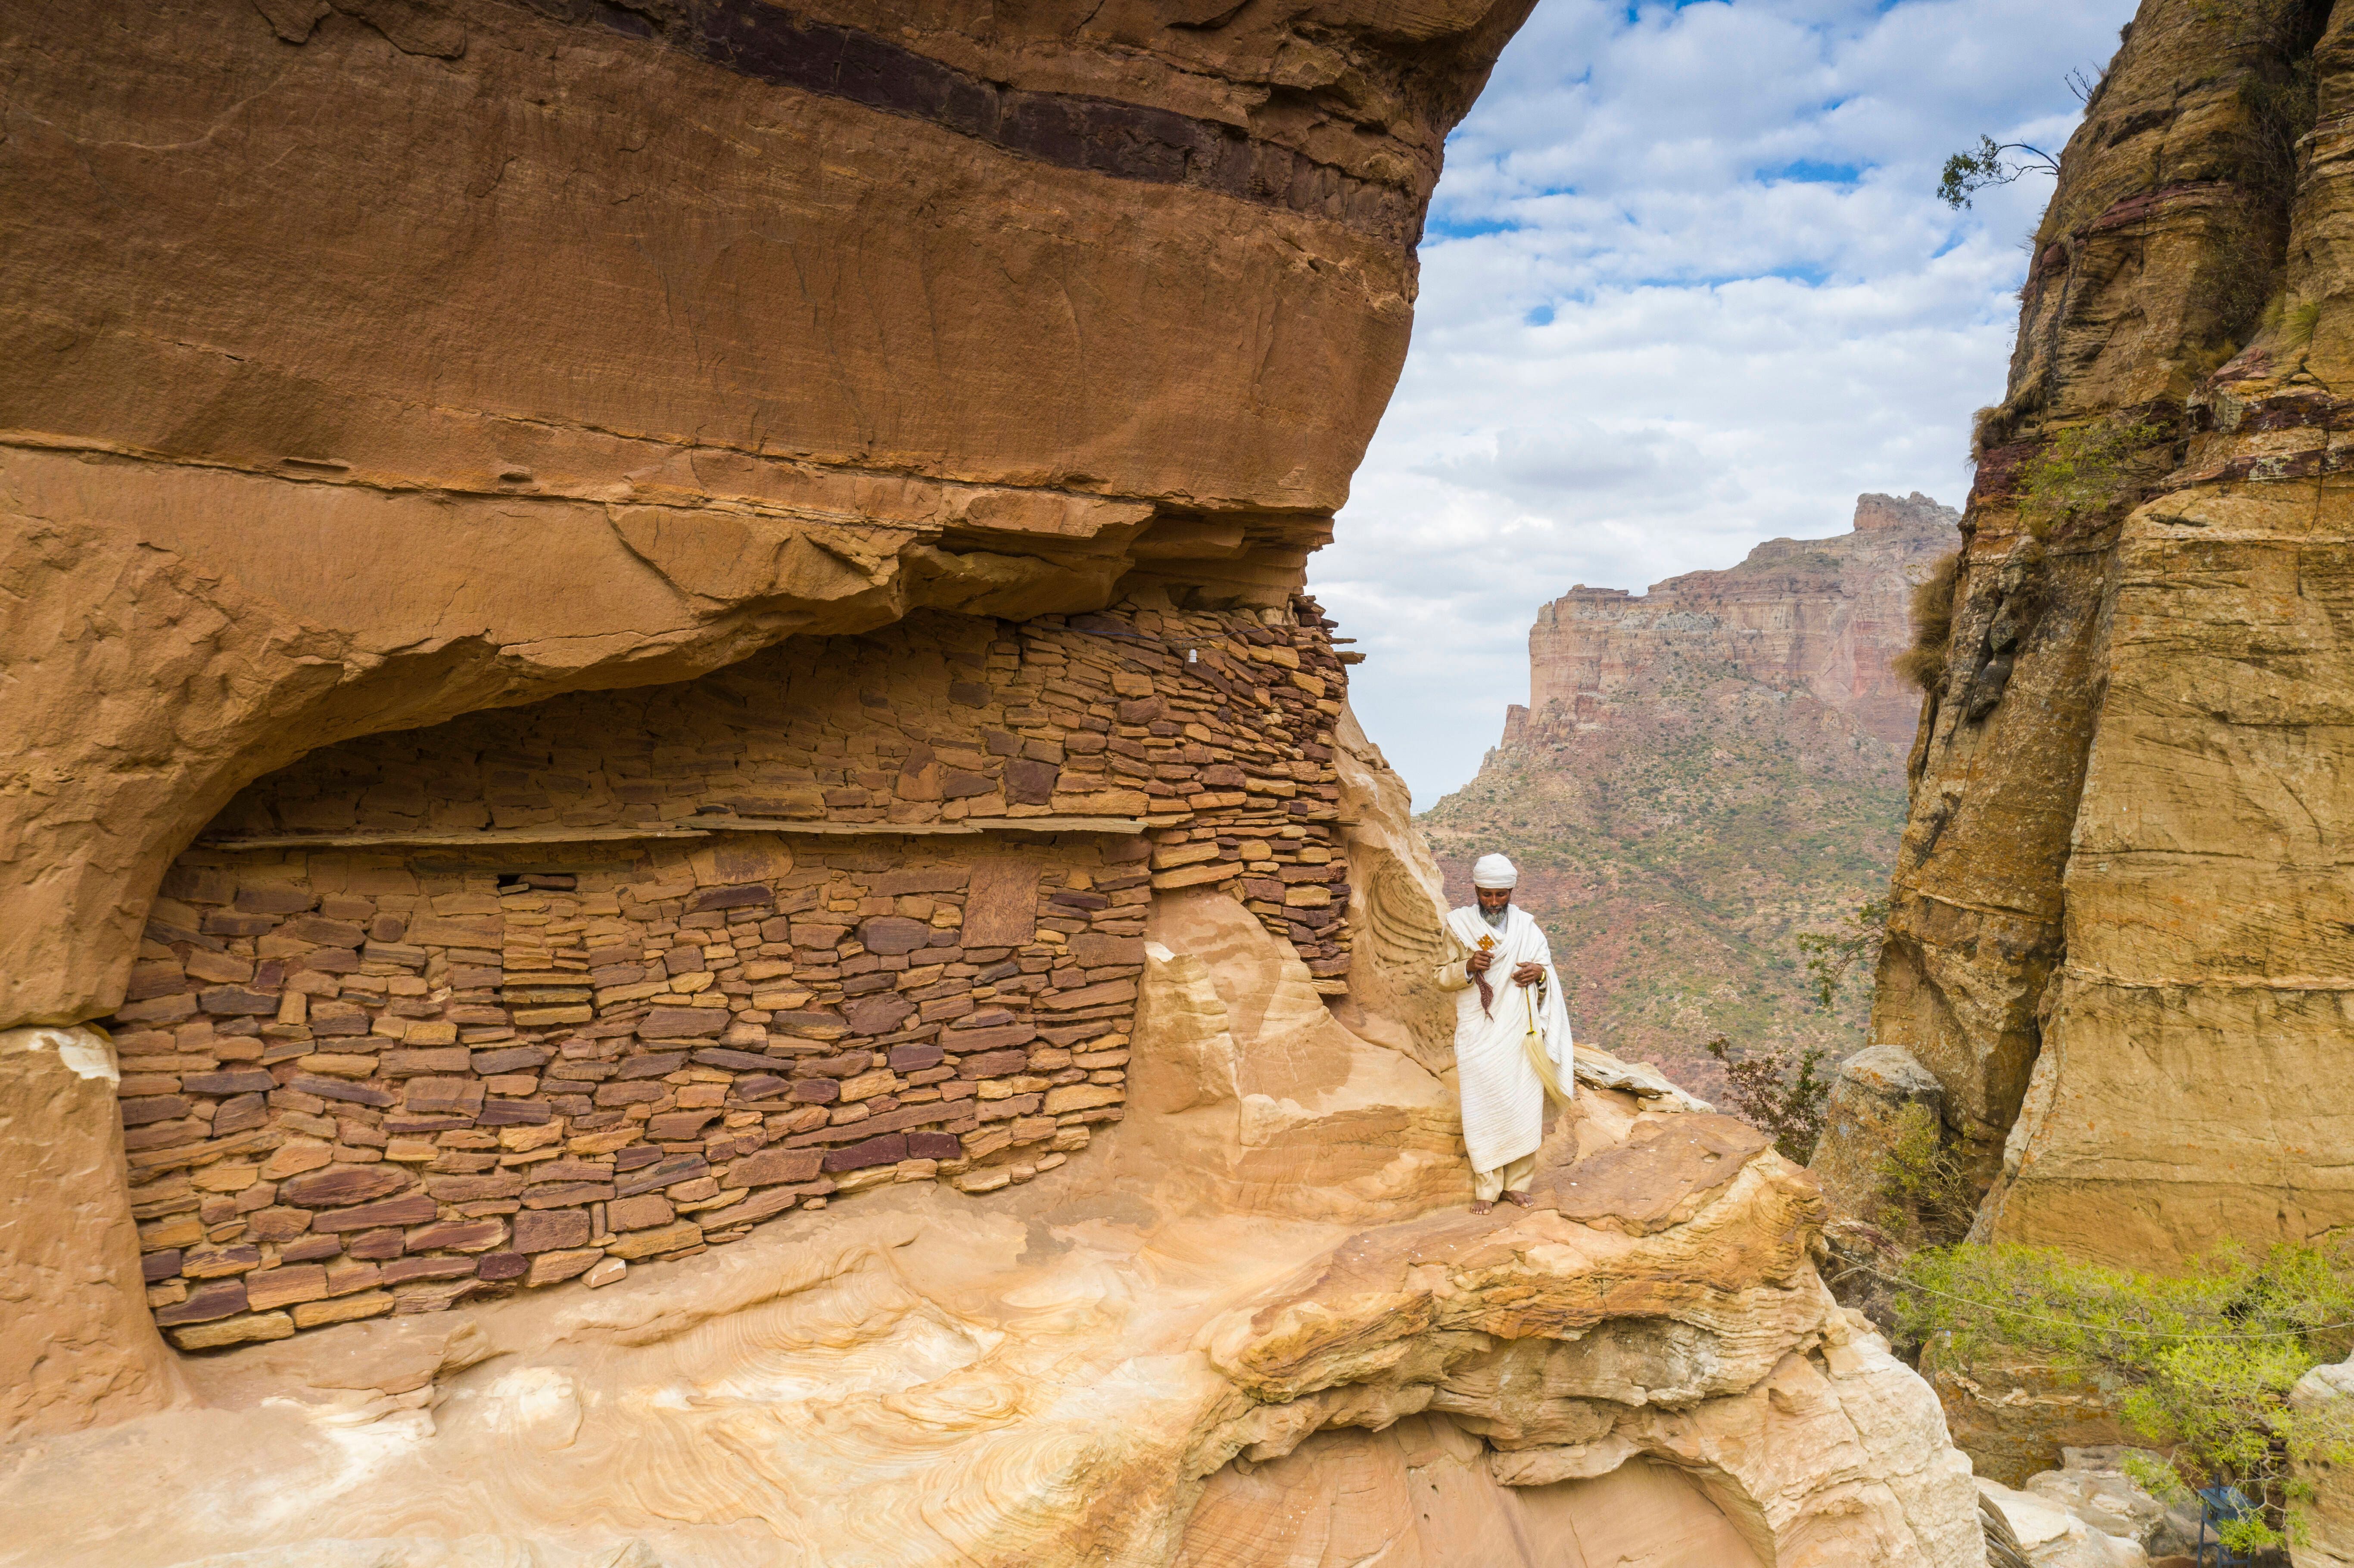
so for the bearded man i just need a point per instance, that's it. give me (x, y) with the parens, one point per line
(1512, 1039)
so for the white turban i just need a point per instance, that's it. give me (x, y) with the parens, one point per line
(1494, 871)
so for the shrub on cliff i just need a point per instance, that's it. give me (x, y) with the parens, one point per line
(2205, 1359)
(1924, 664)
(2091, 471)
(1782, 1092)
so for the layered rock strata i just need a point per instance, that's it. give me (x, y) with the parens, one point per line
(2111, 937)
(732, 639)
(385, 363)
(1703, 772)
(1822, 615)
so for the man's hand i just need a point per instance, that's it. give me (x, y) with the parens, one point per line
(1476, 964)
(1527, 974)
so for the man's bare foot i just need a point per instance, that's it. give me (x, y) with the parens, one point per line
(1522, 1199)
(1482, 1206)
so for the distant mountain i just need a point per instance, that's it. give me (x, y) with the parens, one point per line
(1701, 773)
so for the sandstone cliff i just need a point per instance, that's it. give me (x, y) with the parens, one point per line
(686, 880)
(1703, 772)
(2114, 937)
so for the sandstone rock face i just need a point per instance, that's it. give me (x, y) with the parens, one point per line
(1823, 615)
(1703, 772)
(2050, 1536)
(1869, 1100)
(461, 291)
(661, 696)
(76, 1337)
(1643, 1368)
(2107, 937)
(388, 362)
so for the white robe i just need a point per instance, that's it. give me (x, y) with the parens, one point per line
(1508, 1058)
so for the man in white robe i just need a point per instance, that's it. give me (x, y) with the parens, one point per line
(1512, 1032)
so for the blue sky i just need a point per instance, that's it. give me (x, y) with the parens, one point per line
(1687, 286)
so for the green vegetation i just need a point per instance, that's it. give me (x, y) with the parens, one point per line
(2086, 471)
(1780, 1092)
(1972, 171)
(1926, 1191)
(2205, 1360)
(1832, 956)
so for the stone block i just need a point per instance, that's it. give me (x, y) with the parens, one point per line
(342, 1309)
(338, 1185)
(414, 1209)
(934, 1146)
(217, 1262)
(648, 1244)
(377, 1245)
(549, 1268)
(771, 1166)
(472, 1189)
(458, 1235)
(639, 1213)
(550, 1230)
(335, 1089)
(437, 1059)
(235, 1331)
(878, 1015)
(678, 1126)
(887, 1150)
(683, 1023)
(284, 1286)
(203, 1304)
(443, 1097)
(410, 1269)
(236, 1081)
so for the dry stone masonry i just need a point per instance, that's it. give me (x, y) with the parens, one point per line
(534, 993)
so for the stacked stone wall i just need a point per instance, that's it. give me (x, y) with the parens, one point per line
(363, 1076)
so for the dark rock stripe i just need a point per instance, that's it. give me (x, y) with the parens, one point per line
(1125, 141)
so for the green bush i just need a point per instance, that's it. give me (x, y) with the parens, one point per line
(1924, 1188)
(2205, 1359)
(1832, 956)
(2088, 469)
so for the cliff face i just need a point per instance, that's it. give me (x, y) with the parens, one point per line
(382, 364)
(684, 879)
(1821, 616)
(1703, 772)
(2111, 931)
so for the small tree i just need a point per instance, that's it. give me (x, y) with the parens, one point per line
(1832, 956)
(1782, 1092)
(1970, 172)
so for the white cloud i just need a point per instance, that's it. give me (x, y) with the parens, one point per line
(1687, 287)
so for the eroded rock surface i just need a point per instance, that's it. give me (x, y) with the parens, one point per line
(1644, 1364)
(2107, 938)
(795, 956)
